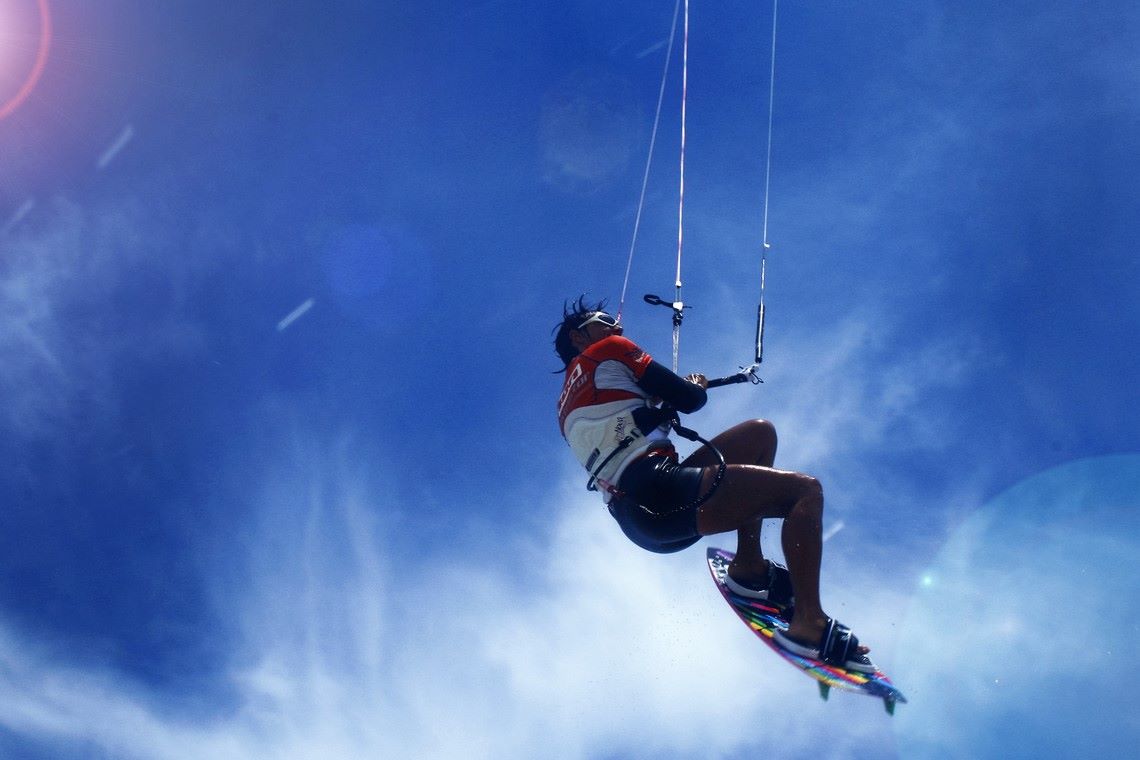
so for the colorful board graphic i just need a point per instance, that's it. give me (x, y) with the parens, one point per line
(764, 619)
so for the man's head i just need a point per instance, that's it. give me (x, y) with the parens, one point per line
(582, 324)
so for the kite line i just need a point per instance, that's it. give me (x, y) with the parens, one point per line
(677, 305)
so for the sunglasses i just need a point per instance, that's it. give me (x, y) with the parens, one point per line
(601, 318)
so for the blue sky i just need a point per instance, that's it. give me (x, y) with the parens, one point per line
(359, 534)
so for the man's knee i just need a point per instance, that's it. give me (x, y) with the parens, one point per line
(762, 433)
(811, 493)
(761, 429)
(765, 430)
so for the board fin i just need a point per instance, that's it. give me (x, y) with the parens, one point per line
(824, 690)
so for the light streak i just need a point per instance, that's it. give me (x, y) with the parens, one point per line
(838, 526)
(653, 48)
(294, 315)
(24, 209)
(114, 148)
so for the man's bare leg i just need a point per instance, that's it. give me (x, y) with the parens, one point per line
(749, 493)
(750, 442)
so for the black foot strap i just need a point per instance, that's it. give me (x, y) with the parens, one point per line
(779, 585)
(838, 644)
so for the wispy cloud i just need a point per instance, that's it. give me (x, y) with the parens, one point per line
(58, 341)
(36, 375)
(589, 131)
(576, 645)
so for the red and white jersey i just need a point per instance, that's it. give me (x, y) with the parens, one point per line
(596, 405)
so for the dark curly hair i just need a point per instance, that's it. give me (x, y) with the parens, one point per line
(574, 313)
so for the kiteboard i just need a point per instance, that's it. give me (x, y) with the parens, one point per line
(765, 619)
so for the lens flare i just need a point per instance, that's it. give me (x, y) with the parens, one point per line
(33, 77)
(1022, 643)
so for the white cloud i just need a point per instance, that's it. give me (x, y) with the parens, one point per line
(576, 645)
(589, 131)
(59, 340)
(34, 373)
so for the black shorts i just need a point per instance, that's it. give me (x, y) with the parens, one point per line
(658, 508)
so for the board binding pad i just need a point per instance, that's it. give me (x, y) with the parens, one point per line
(765, 619)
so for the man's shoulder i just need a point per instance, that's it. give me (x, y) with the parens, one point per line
(620, 348)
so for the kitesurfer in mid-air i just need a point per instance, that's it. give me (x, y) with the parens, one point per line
(615, 411)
